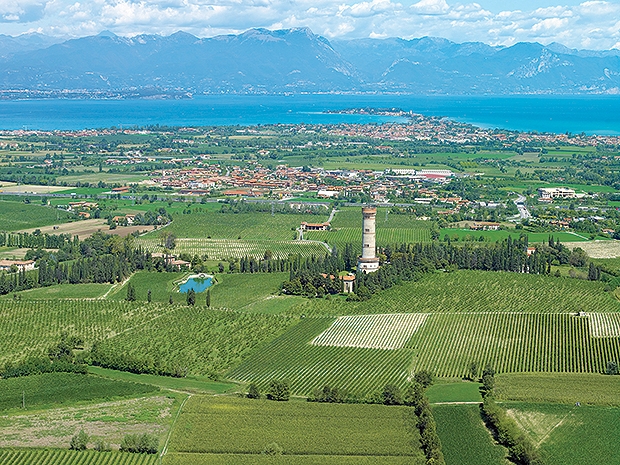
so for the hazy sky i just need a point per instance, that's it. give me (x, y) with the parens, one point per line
(589, 24)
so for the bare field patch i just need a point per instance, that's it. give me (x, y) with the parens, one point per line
(109, 421)
(390, 331)
(537, 425)
(87, 228)
(32, 189)
(604, 324)
(597, 249)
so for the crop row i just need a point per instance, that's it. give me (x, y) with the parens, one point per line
(67, 457)
(384, 236)
(246, 226)
(391, 331)
(480, 291)
(308, 366)
(227, 248)
(604, 324)
(446, 345)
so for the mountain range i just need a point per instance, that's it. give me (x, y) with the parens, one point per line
(294, 61)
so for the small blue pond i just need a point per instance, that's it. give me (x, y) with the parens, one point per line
(195, 283)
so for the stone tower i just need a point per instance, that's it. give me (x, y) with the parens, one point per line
(368, 262)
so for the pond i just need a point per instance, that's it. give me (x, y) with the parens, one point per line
(197, 283)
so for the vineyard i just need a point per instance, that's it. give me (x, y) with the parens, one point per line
(245, 226)
(222, 249)
(605, 325)
(69, 457)
(445, 344)
(308, 367)
(478, 291)
(15, 216)
(389, 332)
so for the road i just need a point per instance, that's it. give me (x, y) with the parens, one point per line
(523, 211)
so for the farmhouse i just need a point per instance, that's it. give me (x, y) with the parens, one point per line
(21, 265)
(314, 226)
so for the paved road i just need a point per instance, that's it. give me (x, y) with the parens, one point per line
(523, 211)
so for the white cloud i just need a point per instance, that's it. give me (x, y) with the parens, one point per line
(591, 24)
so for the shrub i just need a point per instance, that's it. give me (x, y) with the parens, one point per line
(102, 446)
(612, 368)
(253, 392)
(79, 441)
(279, 390)
(141, 444)
(392, 395)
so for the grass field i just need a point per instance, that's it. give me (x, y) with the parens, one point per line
(186, 384)
(161, 285)
(69, 457)
(461, 391)
(566, 388)
(464, 437)
(63, 291)
(176, 458)
(223, 425)
(15, 216)
(53, 389)
(477, 291)
(570, 435)
(223, 249)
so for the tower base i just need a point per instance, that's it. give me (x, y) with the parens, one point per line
(367, 265)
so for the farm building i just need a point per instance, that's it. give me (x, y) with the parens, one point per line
(314, 226)
(550, 193)
(21, 265)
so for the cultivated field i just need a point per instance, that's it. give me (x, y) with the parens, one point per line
(391, 331)
(478, 291)
(598, 249)
(86, 228)
(445, 344)
(69, 457)
(308, 367)
(604, 324)
(222, 249)
(245, 226)
(464, 437)
(16, 216)
(244, 426)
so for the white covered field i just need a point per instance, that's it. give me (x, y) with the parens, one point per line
(604, 324)
(391, 331)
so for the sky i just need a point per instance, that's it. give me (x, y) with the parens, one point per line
(591, 24)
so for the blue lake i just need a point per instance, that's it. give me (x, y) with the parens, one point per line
(558, 114)
(197, 284)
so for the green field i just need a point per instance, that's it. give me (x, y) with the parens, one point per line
(223, 249)
(567, 388)
(477, 291)
(29, 328)
(196, 340)
(221, 425)
(245, 226)
(15, 216)
(161, 285)
(69, 457)
(463, 391)
(308, 367)
(570, 435)
(54, 389)
(176, 458)
(464, 437)
(64, 291)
